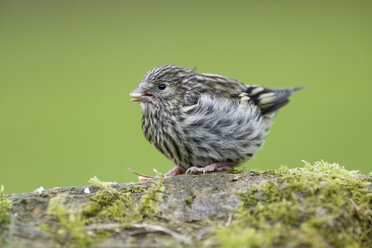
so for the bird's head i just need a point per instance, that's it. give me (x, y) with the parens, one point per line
(163, 84)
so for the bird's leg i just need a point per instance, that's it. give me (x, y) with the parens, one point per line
(209, 168)
(175, 171)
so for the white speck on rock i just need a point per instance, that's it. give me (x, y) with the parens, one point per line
(39, 190)
(86, 190)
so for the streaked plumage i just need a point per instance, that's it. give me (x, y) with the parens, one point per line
(203, 120)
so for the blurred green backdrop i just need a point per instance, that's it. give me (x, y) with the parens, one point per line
(67, 68)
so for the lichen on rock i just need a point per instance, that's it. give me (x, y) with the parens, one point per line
(69, 230)
(322, 205)
(5, 207)
(5, 218)
(111, 205)
(106, 206)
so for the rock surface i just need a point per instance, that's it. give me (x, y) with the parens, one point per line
(321, 205)
(190, 201)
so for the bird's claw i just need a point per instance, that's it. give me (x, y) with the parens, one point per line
(208, 168)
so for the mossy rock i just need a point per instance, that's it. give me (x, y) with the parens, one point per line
(320, 205)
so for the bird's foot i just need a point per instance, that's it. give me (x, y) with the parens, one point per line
(208, 168)
(175, 171)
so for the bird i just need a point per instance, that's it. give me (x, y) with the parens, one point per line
(205, 122)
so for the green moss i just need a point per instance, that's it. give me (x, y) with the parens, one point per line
(111, 205)
(322, 205)
(187, 201)
(5, 219)
(70, 229)
(107, 205)
(102, 199)
(148, 204)
(5, 207)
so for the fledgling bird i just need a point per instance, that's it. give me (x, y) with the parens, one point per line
(205, 122)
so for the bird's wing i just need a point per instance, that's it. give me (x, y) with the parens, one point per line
(216, 86)
(268, 100)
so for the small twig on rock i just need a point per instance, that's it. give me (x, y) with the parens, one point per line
(150, 227)
(356, 208)
(106, 226)
(140, 175)
(13, 219)
(174, 234)
(229, 219)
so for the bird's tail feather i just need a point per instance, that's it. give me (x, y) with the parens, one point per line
(270, 100)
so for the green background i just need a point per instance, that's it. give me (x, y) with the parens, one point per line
(67, 67)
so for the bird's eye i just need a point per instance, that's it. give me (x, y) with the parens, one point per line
(162, 86)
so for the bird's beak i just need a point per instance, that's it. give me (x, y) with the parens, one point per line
(141, 94)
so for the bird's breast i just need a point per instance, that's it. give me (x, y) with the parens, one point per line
(161, 130)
